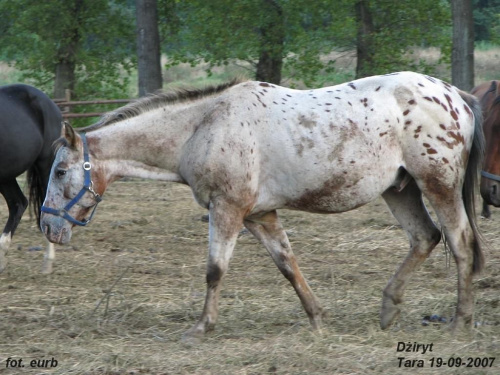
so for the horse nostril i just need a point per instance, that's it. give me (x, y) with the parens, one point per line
(494, 190)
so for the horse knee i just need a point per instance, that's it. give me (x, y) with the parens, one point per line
(215, 272)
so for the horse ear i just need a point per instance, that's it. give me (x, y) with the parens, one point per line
(69, 134)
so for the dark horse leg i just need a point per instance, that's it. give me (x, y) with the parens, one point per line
(408, 208)
(486, 211)
(17, 203)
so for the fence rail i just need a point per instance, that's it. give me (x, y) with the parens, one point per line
(66, 105)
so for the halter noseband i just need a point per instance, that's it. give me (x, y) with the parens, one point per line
(490, 176)
(88, 186)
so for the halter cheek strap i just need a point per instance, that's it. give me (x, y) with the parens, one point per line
(490, 176)
(88, 186)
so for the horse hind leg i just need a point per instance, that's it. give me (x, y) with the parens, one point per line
(463, 242)
(268, 230)
(408, 208)
(16, 203)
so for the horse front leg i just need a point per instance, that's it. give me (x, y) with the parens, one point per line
(48, 259)
(268, 230)
(224, 225)
(17, 203)
(485, 212)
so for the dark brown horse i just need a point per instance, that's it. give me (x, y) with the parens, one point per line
(489, 95)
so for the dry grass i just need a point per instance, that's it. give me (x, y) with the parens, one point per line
(131, 283)
(148, 238)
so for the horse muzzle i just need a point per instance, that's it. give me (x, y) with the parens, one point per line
(490, 189)
(56, 229)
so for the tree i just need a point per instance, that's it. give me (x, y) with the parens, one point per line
(272, 39)
(81, 45)
(462, 56)
(148, 47)
(272, 36)
(389, 30)
(486, 20)
(364, 44)
(292, 38)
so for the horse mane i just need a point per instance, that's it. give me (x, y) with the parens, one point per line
(158, 100)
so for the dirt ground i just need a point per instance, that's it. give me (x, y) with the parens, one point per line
(127, 287)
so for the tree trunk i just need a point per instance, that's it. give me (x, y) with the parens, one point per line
(148, 47)
(272, 41)
(65, 77)
(462, 55)
(364, 42)
(66, 56)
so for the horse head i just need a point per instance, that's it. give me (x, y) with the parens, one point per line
(490, 175)
(75, 187)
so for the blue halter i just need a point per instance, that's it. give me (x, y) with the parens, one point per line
(87, 187)
(490, 176)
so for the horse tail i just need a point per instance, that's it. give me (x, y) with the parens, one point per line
(37, 191)
(474, 164)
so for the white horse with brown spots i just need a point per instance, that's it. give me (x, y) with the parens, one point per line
(248, 149)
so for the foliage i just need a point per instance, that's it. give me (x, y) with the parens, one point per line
(486, 20)
(400, 26)
(220, 31)
(33, 33)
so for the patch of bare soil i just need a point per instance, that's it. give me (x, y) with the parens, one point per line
(127, 287)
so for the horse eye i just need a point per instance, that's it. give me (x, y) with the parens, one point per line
(60, 173)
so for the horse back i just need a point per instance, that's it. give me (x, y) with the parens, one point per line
(29, 123)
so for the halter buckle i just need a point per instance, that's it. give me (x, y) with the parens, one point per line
(87, 166)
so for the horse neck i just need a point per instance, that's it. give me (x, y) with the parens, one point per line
(146, 146)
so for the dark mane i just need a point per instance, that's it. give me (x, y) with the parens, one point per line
(158, 100)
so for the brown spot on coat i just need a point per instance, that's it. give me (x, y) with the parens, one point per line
(467, 109)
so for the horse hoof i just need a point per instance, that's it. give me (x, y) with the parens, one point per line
(388, 315)
(192, 337)
(47, 268)
(458, 326)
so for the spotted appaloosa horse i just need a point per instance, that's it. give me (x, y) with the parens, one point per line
(30, 122)
(489, 95)
(250, 148)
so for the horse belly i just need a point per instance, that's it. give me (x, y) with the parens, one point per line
(341, 193)
(19, 145)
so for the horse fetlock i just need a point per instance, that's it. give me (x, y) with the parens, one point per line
(5, 241)
(316, 318)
